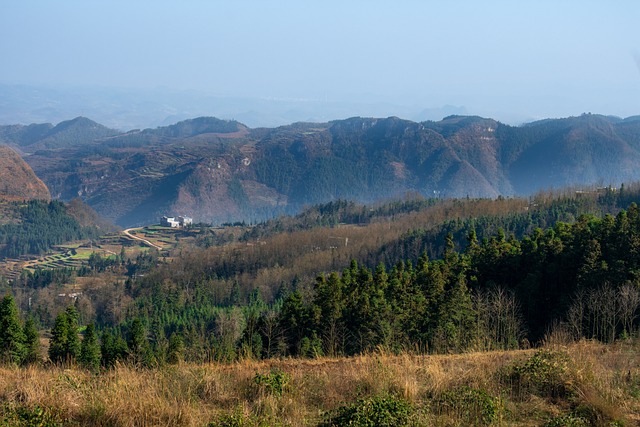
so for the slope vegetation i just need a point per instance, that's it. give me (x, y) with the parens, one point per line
(17, 179)
(218, 171)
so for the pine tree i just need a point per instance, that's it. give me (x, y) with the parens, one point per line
(176, 349)
(139, 349)
(112, 349)
(73, 341)
(11, 335)
(328, 306)
(90, 349)
(137, 338)
(32, 342)
(59, 336)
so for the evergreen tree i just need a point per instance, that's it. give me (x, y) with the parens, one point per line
(328, 308)
(64, 346)
(73, 341)
(58, 344)
(112, 349)
(137, 337)
(32, 342)
(176, 349)
(455, 319)
(139, 349)
(294, 322)
(12, 338)
(90, 349)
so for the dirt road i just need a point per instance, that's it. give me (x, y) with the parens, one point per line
(127, 232)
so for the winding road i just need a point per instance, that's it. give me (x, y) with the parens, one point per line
(127, 232)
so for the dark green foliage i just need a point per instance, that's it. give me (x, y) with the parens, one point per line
(296, 322)
(64, 346)
(31, 342)
(99, 263)
(12, 338)
(58, 342)
(470, 406)
(275, 382)
(377, 411)
(544, 374)
(567, 420)
(139, 349)
(42, 225)
(113, 349)
(43, 277)
(24, 416)
(230, 420)
(175, 352)
(90, 349)
(73, 340)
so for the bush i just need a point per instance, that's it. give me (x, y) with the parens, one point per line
(567, 420)
(469, 405)
(275, 382)
(28, 417)
(372, 412)
(545, 374)
(229, 420)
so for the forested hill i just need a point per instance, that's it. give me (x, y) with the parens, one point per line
(220, 171)
(34, 226)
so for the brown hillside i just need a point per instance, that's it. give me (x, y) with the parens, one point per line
(17, 179)
(581, 384)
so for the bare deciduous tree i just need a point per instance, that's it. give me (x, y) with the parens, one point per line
(628, 303)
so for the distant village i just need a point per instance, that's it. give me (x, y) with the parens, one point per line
(175, 222)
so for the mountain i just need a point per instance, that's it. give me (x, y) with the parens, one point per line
(46, 136)
(217, 171)
(17, 179)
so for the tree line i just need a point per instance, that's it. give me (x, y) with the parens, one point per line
(41, 225)
(500, 292)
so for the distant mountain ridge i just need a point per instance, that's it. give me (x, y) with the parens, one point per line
(216, 170)
(46, 136)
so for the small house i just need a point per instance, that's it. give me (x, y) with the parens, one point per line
(173, 222)
(169, 221)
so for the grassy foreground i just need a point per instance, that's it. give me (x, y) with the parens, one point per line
(586, 383)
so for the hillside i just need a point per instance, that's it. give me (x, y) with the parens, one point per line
(583, 384)
(251, 325)
(17, 179)
(220, 171)
(46, 136)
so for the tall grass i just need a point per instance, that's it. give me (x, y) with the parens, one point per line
(602, 384)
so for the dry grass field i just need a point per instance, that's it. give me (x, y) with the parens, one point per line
(585, 383)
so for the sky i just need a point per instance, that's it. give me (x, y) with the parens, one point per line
(496, 58)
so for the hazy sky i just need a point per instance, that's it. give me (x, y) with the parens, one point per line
(534, 58)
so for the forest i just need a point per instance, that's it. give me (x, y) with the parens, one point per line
(498, 280)
(38, 225)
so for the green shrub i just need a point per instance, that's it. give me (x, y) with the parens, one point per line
(229, 420)
(372, 412)
(545, 374)
(469, 405)
(275, 382)
(567, 420)
(28, 417)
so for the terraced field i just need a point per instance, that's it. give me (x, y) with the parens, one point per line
(76, 254)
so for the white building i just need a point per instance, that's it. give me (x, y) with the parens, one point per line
(181, 221)
(185, 221)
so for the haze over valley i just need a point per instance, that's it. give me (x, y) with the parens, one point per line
(223, 171)
(282, 213)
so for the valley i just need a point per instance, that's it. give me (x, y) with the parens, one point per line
(431, 286)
